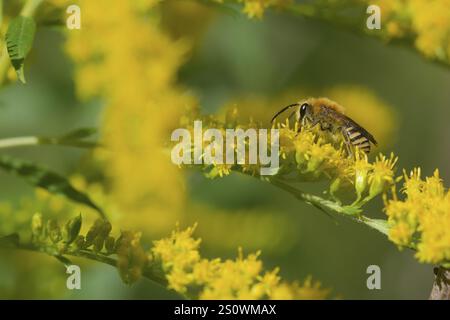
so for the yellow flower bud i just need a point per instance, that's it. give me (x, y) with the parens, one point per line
(98, 243)
(109, 244)
(93, 232)
(79, 242)
(335, 185)
(362, 168)
(53, 231)
(131, 257)
(72, 229)
(37, 224)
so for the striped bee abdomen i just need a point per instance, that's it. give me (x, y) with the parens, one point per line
(358, 139)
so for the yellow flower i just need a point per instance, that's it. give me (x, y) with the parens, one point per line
(362, 168)
(135, 75)
(256, 8)
(382, 176)
(309, 290)
(401, 233)
(241, 278)
(427, 22)
(131, 257)
(422, 220)
(311, 154)
(37, 224)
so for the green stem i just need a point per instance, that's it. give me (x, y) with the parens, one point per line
(98, 257)
(315, 200)
(4, 64)
(38, 141)
(18, 142)
(1, 13)
(350, 212)
(353, 213)
(30, 8)
(147, 273)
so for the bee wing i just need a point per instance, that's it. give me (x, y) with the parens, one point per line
(353, 128)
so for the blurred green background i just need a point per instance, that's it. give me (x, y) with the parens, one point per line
(234, 56)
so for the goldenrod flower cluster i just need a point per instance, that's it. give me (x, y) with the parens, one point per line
(49, 237)
(422, 220)
(427, 22)
(312, 157)
(125, 57)
(311, 154)
(241, 278)
(174, 261)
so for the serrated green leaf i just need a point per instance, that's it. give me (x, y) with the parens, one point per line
(19, 41)
(72, 229)
(46, 179)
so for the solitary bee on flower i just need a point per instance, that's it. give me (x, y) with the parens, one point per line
(329, 115)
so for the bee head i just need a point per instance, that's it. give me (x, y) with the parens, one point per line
(303, 111)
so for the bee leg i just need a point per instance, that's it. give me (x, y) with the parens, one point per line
(325, 127)
(348, 144)
(314, 123)
(297, 118)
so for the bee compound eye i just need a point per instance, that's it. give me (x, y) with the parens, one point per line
(303, 110)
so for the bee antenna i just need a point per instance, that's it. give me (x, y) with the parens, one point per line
(283, 110)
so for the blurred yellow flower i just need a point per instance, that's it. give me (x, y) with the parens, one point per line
(133, 67)
(257, 228)
(367, 109)
(427, 22)
(255, 8)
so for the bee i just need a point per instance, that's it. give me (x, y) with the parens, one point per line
(329, 115)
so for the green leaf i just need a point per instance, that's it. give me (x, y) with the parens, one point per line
(377, 224)
(10, 240)
(65, 261)
(79, 134)
(46, 179)
(19, 41)
(74, 138)
(72, 229)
